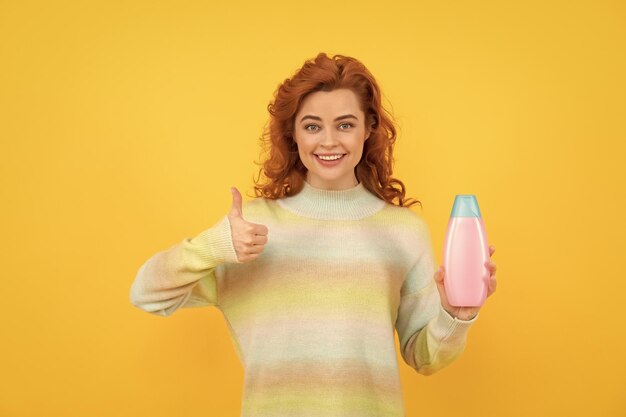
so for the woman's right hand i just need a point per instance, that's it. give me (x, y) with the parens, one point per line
(249, 239)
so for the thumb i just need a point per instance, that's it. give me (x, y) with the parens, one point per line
(236, 209)
(439, 278)
(439, 273)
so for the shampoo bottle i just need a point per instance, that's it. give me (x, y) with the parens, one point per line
(465, 253)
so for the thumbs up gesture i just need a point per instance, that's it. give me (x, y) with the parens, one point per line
(249, 239)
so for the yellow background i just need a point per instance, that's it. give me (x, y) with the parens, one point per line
(124, 123)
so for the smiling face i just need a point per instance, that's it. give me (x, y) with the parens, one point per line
(330, 123)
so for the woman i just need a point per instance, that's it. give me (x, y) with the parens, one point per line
(315, 274)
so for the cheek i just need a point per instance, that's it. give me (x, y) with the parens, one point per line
(304, 150)
(357, 147)
(305, 158)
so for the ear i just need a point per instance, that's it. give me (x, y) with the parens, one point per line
(367, 134)
(293, 145)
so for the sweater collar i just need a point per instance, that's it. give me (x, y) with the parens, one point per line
(317, 203)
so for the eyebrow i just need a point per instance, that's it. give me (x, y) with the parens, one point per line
(345, 116)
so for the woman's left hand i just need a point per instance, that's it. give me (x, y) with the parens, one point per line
(465, 313)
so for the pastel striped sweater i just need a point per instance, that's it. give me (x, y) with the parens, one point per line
(313, 317)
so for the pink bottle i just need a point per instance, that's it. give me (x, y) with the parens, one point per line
(465, 252)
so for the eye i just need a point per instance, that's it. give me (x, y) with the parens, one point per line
(307, 128)
(314, 125)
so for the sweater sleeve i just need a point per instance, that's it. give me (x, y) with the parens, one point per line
(184, 274)
(430, 338)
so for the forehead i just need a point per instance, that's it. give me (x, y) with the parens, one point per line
(330, 103)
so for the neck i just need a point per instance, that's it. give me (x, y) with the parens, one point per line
(344, 183)
(318, 203)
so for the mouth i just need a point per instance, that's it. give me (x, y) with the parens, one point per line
(329, 158)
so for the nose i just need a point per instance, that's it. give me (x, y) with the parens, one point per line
(328, 139)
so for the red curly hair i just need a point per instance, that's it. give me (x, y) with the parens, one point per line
(283, 168)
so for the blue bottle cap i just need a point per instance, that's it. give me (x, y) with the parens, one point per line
(465, 205)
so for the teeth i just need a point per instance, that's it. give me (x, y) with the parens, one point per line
(329, 158)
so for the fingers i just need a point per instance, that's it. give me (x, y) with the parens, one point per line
(492, 285)
(236, 209)
(254, 249)
(439, 275)
(248, 256)
(259, 229)
(259, 239)
(492, 279)
(247, 240)
(250, 248)
(492, 249)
